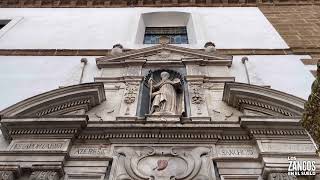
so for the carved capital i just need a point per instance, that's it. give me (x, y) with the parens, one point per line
(6, 175)
(281, 176)
(44, 175)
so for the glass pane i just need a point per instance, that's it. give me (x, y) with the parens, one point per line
(176, 35)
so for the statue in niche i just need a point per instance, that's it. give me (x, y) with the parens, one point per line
(166, 95)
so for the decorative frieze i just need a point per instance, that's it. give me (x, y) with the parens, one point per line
(6, 175)
(44, 175)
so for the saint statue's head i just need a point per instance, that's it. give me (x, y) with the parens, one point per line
(165, 75)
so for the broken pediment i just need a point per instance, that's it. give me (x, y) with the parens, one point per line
(70, 100)
(164, 53)
(262, 101)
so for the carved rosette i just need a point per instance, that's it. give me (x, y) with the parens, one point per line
(131, 93)
(6, 175)
(281, 176)
(161, 163)
(44, 175)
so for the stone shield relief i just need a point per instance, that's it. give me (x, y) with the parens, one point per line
(164, 163)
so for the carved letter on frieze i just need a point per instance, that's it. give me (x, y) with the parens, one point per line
(44, 175)
(281, 176)
(6, 175)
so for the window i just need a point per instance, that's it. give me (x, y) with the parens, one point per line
(3, 23)
(176, 35)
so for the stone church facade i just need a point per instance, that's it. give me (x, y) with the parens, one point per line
(106, 129)
(221, 99)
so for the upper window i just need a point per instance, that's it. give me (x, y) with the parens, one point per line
(176, 35)
(3, 23)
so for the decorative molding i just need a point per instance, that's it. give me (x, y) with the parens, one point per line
(58, 126)
(282, 132)
(139, 56)
(59, 101)
(262, 100)
(158, 163)
(44, 175)
(145, 3)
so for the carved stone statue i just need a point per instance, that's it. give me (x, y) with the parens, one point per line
(165, 96)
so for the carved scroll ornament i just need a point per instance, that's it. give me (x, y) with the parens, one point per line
(170, 163)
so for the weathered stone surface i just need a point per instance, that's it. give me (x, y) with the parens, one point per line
(43, 145)
(44, 175)
(6, 175)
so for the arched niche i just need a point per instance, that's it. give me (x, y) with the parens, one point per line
(166, 19)
(144, 97)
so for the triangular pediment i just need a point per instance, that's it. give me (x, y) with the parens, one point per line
(163, 52)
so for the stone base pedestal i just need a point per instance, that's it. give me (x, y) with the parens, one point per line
(172, 118)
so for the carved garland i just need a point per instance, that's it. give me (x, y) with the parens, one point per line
(131, 93)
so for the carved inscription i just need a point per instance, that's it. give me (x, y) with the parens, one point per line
(285, 147)
(90, 151)
(20, 145)
(236, 151)
(38, 146)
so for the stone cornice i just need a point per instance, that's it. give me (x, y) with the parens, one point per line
(104, 52)
(145, 3)
(142, 56)
(59, 126)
